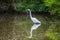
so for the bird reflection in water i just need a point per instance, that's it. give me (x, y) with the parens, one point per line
(34, 27)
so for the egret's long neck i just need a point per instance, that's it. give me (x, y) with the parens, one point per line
(30, 15)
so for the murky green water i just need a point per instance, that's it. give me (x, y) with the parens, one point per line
(17, 27)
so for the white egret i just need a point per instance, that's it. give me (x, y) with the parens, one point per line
(34, 20)
(34, 27)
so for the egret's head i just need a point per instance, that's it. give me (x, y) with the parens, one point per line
(28, 10)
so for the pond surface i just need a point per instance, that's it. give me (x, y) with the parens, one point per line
(17, 27)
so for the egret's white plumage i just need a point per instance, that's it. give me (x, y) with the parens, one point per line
(34, 20)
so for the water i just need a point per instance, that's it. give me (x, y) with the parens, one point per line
(17, 27)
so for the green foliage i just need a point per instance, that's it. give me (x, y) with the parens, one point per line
(52, 32)
(49, 2)
(54, 6)
(40, 5)
(20, 6)
(31, 6)
(52, 11)
(51, 35)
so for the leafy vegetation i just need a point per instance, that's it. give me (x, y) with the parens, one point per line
(52, 32)
(51, 6)
(40, 5)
